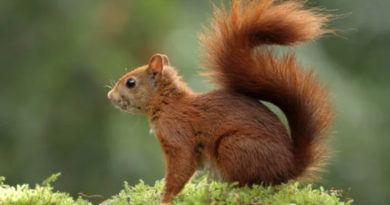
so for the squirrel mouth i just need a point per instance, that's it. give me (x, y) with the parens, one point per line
(120, 103)
(125, 105)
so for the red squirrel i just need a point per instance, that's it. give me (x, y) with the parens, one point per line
(230, 128)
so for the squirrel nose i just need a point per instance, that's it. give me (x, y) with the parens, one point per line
(109, 95)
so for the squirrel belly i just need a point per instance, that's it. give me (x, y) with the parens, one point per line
(229, 127)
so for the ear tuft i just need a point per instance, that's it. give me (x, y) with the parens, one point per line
(158, 62)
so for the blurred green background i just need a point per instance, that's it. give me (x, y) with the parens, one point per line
(56, 56)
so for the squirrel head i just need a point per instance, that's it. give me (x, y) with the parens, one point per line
(137, 90)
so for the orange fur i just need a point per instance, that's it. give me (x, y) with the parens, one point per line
(229, 129)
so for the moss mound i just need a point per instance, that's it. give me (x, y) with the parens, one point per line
(40, 195)
(199, 192)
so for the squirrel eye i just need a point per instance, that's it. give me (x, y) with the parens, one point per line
(130, 83)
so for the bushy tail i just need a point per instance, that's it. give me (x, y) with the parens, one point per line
(239, 60)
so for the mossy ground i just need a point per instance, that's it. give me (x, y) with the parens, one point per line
(40, 195)
(199, 192)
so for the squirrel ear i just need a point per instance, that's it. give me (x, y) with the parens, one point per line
(158, 62)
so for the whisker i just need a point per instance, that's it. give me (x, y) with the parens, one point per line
(108, 86)
(112, 82)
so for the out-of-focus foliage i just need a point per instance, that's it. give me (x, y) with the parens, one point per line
(56, 57)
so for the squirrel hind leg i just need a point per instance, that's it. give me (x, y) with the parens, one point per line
(252, 160)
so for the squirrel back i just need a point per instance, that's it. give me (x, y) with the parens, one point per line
(239, 60)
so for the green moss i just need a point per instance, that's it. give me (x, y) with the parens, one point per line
(40, 195)
(199, 192)
(202, 192)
